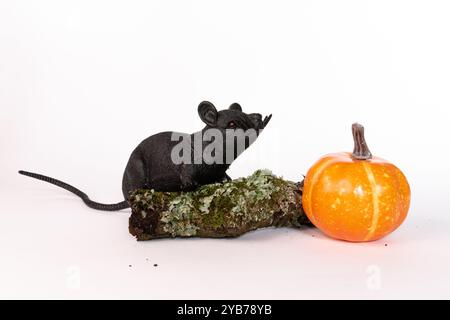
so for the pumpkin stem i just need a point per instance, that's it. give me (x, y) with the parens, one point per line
(361, 150)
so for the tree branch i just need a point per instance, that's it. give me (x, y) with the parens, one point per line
(218, 210)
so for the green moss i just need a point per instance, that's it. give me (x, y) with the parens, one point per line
(214, 220)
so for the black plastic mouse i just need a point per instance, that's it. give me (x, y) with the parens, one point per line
(171, 161)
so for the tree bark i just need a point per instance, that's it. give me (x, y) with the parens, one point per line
(218, 210)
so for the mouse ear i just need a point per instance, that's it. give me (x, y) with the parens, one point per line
(235, 106)
(207, 113)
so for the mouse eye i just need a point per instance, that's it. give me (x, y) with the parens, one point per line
(231, 125)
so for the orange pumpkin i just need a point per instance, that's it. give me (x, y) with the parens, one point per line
(356, 196)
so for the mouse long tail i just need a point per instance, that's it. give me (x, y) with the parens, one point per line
(82, 195)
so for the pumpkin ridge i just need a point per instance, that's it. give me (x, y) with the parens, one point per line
(317, 172)
(375, 201)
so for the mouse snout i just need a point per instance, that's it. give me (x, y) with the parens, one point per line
(256, 116)
(256, 119)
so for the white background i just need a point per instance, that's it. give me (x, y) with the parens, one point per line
(83, 82)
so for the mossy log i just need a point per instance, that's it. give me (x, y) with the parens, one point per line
(218, 210)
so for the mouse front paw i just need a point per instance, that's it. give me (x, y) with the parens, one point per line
(226, 178)
(188, 185)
